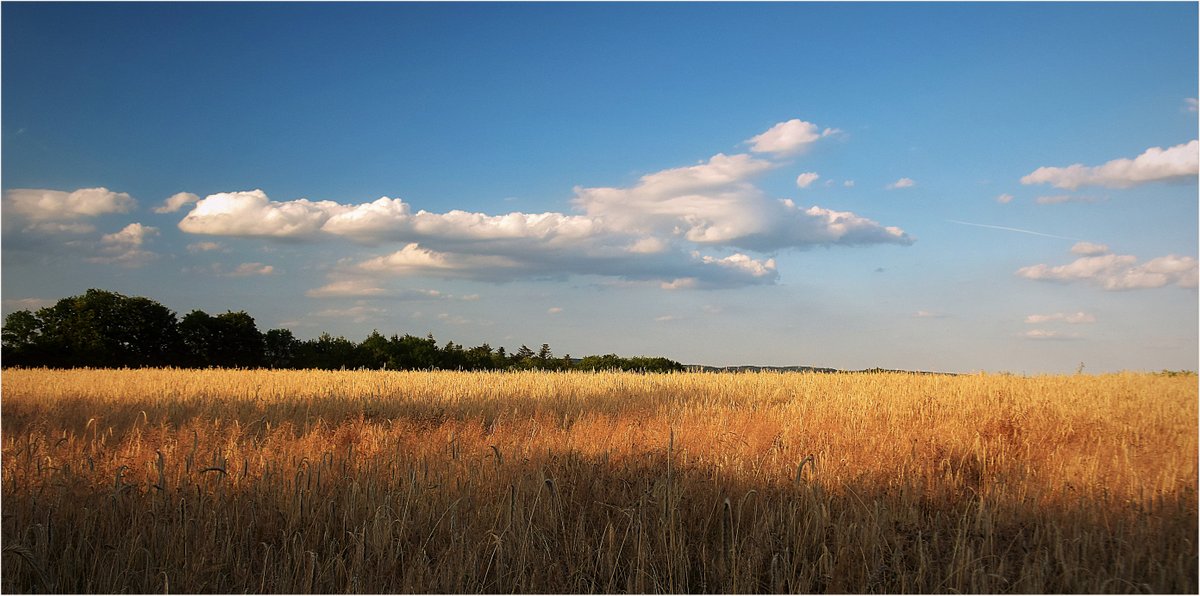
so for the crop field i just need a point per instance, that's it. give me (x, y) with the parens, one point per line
(528, 482)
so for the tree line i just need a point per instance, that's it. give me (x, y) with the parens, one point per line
(105, 329)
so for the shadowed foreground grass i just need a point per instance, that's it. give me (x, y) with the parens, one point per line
(262, 481)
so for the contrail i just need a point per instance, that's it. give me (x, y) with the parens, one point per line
(979, 225)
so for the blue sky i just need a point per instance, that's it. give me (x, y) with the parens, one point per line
(716, 183)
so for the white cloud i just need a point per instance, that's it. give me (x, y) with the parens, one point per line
(666, 318)
(1058, 199)
(176, 202)
(1004, 199)
(249, 269)
(806, 179)
(1190, 104)
(554, 310)
(125, 247)
(788, 138)
(848, 184)
(1118, 272)
(414, 260)
(714, 203)
(1154, 164)
(902, 183)
(1072, 318)
(251, 213)
(40, 205)
(924, 314)
(1089, 248)
(642, 233)
(741, 262)
(347, 288)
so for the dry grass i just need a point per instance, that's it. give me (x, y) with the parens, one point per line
(262, 481)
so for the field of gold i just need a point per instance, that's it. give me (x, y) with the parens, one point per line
(444, 482)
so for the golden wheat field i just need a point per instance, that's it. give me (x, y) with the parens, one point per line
(445, 482)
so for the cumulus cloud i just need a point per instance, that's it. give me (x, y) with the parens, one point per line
(176, 202)
(714, 203)
(125, 247)
(645, 232)
(44, 205)
(806, 179)
(1117, 272)
(1074, 318)
(251, 213)
(1004, 199)
(1154, 164)
(902, 183)
(787, 138)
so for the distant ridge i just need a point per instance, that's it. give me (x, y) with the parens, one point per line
(808, 369)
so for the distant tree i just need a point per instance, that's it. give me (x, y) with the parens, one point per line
(22, 339)
(279, 348)
(479, 358)
(374, 351)
(98, 328)
(230, 339)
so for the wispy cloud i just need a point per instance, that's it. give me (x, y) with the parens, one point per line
(1043, 334)
(28, 303)
(1004, 199)
(1154, 164)
(251, 269)
(1074, 318)
(1008, 229)
(176, 202)
(806, 179)
(902, 183)
(1089, 248)
(1059, 199)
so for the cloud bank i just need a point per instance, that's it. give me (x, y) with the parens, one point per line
(1153, 165)
(689, 226)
